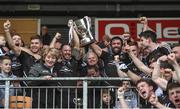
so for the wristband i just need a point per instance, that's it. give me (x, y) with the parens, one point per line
(123, 67)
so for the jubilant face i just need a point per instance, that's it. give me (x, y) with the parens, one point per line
(6, 66)
(50, 60)
(66, 52)
(174, 96)
(35, 45)
(92, 58)
(92, 73)
(144, 90)
(134, 50)
(17, 40)
(116, 46)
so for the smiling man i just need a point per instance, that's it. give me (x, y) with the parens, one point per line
(26, 56)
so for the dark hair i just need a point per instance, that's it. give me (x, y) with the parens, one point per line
(95, 67)
(64, 45)
(133, 43)
(171, 86)
(149, 34)
(149, 82)
(117, 38)
(16, 34)
(165, 64)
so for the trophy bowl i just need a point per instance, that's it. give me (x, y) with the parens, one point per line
(82, 27)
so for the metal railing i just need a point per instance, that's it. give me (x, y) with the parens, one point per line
(84, 86)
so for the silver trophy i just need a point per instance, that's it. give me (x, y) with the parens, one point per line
(82, 28)
(78, 101)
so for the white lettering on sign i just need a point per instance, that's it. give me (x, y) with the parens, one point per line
(167, 32)
(171, 32)
(158, 29)
(108, 28)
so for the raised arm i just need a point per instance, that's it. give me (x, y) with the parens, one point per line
(119, 71)
(138, 62)
(76, 46)
(144, 21)
(161, 82)
(154, 101)
(76, 42)
(172, 60)
(133, 76)
(123, 71)
(120, 93)
(56, 37)
(96, 49)
(36, 56)
(16, 49)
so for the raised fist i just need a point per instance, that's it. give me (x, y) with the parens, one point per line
(127, 49)
(120, 92)
(7, 25)
(153, 99)
(143, 20)
(58, 35)
(172, 59)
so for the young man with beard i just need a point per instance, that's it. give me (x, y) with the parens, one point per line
(116, 44)
(26, 56)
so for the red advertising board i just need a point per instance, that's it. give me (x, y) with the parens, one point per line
(165, 28)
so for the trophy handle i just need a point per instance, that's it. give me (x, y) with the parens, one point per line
(70, 25)
(88, 26)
